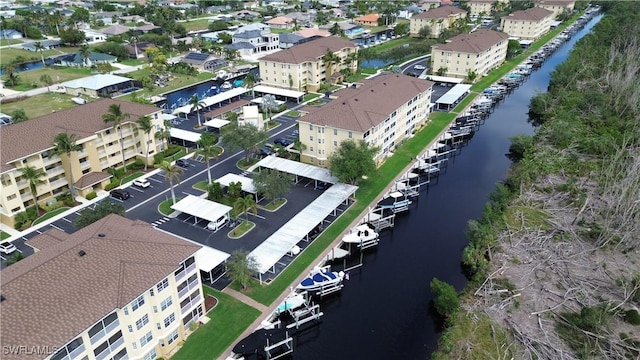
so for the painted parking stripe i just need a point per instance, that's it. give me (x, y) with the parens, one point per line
(136, 189)
(67, 220)
(154, 179)
(53, 226)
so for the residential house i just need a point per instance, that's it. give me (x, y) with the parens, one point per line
(253, 26)
(46, 45)
(280, 22)
(330, 3)
(93, 36)
(10, 34)
(300, 17)
(382, 111)
(245, 15)
(409, 11)
(115, 30)
(312, 32)
(557, 6)
(437, 19)
(367, 20)
(484, 7)
(94, 58)
(527, 24)
(260, 41)
(7, 14)
(100, 150)
(349, 29)
(100, 85)
(107, 17)
(304, 64)
(137, 50)
(478, 52)
(117, 289)
(204, 62)
(289, 40)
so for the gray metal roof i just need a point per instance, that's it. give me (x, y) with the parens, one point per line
(297, 168)
(96, 82)
(454, 94)
(277, 245)
(247, 183)
(248, 34)
(201, 208)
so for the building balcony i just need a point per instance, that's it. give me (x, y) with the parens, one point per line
(112, 348)
(185, 272)
(105, 331)
(191, 304)
(192, 285)
(58, 183)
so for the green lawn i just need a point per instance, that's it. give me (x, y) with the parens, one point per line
(240, 230)
(201, 185)
(27, 79)
(274, 204)
(132, 62)
(228, 320)
(165, 206)
(49, 215)
(293, 113)
(39, 105)
(4, 235)
(5, 42)
(11, 54)
(242, 165)
(310, 96)
(199, 24)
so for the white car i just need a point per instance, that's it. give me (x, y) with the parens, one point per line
(141, 182)
(7, 248)
(419, 67)
(216, 225)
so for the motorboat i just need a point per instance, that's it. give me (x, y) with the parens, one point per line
(396, 202)
(226, 85)
(291, 302)
(361, 234)
(321, 278)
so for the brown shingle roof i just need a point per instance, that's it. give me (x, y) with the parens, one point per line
(556, 2)
(368, 18)
(439, 13)
(367, 106)
(473, 43)
(91, 178)
(47, 239)
(55, 294)
(309, 51)
(533, 14)
(36, 135)
(280, 20)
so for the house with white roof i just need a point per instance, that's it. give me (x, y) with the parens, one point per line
(101, 85)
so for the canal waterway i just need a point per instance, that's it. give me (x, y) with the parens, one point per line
(383, 311)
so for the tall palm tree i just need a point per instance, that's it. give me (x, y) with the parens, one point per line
(66, 144)
(39, 48)
(116, 116)
(329, 58)
(54, 20)
(196, 105)
(165, 133)
(85, 53)
(245, 204)
(34, 177)
(145, 125)
(208, 149)
(250, 81)
(172, 174)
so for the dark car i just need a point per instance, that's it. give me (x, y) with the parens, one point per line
(265, 151)
(120, 194)
(282, 141)
(322, 185)
(182, 163)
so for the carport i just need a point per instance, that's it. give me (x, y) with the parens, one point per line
(212, 100)
(216, 123)
(211, 262)
(247, 183)
(452, 97)
(282, 93)
(444, 79)
(184, 135)
(201, 209)
(297, 168)
(275, 247)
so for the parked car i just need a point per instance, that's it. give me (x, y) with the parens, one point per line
(419, 67)
(183, 163)
(141, 182)
(7, 248)
(120, 194)
(322, 185)
(216, 225)
(265, 151)
(282, 141)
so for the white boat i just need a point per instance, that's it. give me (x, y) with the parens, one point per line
(79, 100)
(226, 85)
(362, 234)
(291, 302)
(321, 278)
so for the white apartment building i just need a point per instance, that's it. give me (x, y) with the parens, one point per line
(116, 289)
(478, 52)
(382, 111)
(528, 24)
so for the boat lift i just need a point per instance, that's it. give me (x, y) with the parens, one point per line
(279, 349)
(305, 315)
(379, 220)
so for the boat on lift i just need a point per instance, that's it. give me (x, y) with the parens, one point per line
(361, 234)
(321, 278)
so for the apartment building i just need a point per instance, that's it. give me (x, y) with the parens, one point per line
(303, 66)
(31, 143)
(483, 7)
(478, 52)
(527, 24)
(437, 19)
(382, 111)
(557, 6)
(116, 289)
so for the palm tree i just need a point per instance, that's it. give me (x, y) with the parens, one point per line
(39, 48)
(268, 104)
(208, 149)
(34, 177)
(196, 105)
(250, 81)
(85, 53)
(12, 75)
(165, 133)
(116, 116)
(66, 144)
(329, 58)
(245, 204)
(54, 20)
(145, 125)
(172, 174)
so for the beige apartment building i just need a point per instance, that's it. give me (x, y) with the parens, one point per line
(527, 24)
(437, 19)
(482, 7)
(382, 111)
(117, 289)
(478, 52)
(302, 67)
(30, 143)
(556, 6)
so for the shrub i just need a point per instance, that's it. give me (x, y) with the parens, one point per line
(92, 195)
(632, 317)
(112, 185)
(137, 165)
(21, 219)
(53, 206)
(158, 158)
(32, 212)
(172, 150)
(446, 298)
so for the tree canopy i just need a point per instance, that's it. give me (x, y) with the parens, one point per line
(240, 267)
(246, 137)
(272, 184)
(88, 216)
(353, 160)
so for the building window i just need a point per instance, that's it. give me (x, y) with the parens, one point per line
(310, 127)
(335, 143)
(130, 328)
(166, 303)
(155, 309)
(335, 131)
(169, 319)
(158, 326)
(152, 355)
(135, 304)
(142, 321)
(134, 346)
(146, 339)
(310, 138)
(163, 285)
(151, 292)
(350, 135)
(172, 337)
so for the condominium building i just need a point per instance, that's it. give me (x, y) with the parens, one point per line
(31, 143)
(382, 111)
(304, 66)
(116, 289)
(557, 6)
(484, 7)
(527, 24)
(437, 19)
(478, 52)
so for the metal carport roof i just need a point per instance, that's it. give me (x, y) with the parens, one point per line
(267, 254)
(278, 91)
(184, 134)
(247, 183)
(201, 208)
(208, 258)
(453, 95)
(212, 100)
(297, 168)
(216, 123)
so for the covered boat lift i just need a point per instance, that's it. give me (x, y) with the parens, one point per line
(201, 209)
(452, 97)
(211, 262)
(275, 247)
(285, 94)
(247, 183)
(297, 169)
